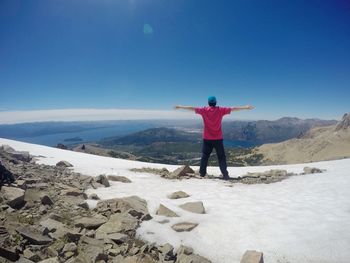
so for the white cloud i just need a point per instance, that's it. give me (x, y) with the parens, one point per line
(12, 117)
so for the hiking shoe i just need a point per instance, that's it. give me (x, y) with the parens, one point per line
(226, 178)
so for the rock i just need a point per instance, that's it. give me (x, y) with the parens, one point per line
(64, 164)
(344, 124)
(84, 205)
(311, 170)
(184, 250)
(28, 254)
(102, 179)
(6, 177)
(94, 197)
(168, 251)
(181, 172)
(164, 211)
(134, 205)
(117, 178)
(117, 223)
(93, 222)
(184, 226)
(73, 192)
(118, 238)
(24, 260)
(61, 146)
(178, 194)
(70, 247)
(33, 235)
(50, 260)
(9, 253)
(194, 207)
(140, 258)
(46, 200)
(191, 259)
(13, 196)
(252, 256)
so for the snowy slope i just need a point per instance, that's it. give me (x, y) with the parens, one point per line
(301, 219)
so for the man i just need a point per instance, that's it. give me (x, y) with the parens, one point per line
(212, 134)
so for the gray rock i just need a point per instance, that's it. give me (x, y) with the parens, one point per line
(184, 226)
(64, 164)
(118, 178)
(46, 200)
(102, 179)
(168, 251)
(9, 253)
(311, 170)
(32, 234)
(133, 205)
(94, 197)
(194, 207)
(24, 260)
(84, 205)
(178, 194)
(74, 192)
(164, 211)
(184, 250)
(50, 260)
(14, 197)
(182, 171)
(70, 247)
(93, 222)
(117, 223)
(252, 256)
(118, 238)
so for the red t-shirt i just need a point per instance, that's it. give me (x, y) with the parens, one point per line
(212, 118)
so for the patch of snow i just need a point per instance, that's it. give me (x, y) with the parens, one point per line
(301, 219)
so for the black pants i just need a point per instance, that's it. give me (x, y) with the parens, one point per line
(207, 148)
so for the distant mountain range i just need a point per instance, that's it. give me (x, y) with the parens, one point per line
(318, 144)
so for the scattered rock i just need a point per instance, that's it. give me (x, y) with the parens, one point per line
(46, 200)
(311, 170)
(13, 196)
(64, 164)
(194, 207)
(93, 222)
(123, 223)
(34, 236)
(184, 226)
(118, 238)
(252, 256)
(178, 195)
(164, 211)
(102, 179)
(117, 178)
(94, 197)
(183, 171)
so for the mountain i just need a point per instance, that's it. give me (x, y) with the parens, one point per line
(318, 144)
(263, 131)
(153, 135)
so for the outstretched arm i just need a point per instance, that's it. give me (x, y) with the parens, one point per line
(238, 108)
(191, 108)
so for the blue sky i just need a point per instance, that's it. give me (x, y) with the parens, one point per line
(288, 58)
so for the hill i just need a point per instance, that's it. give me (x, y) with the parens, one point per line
(318, 144)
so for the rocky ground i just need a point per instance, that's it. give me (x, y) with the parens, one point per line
(45, 218)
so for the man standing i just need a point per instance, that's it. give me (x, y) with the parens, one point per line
(212, 134)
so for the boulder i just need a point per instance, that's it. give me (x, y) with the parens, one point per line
(69, 247)
(64, 164)
(94, 197)
(117, 223)
(118, 238)
(164, 211)
(311, 170)
(33, 235)
(102, 179)
(134, 205)
(167, 251)
(194, 207)
(184, 250)
(184, 226)
(117, 178)
(9, 253)
(182, 171)
(93, 222)
(178, 195)
(46, 200)
(252, 256)
(14, 197)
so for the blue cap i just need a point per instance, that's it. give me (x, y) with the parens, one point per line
(211, 99)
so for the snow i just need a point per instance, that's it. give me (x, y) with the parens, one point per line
(301, 219)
